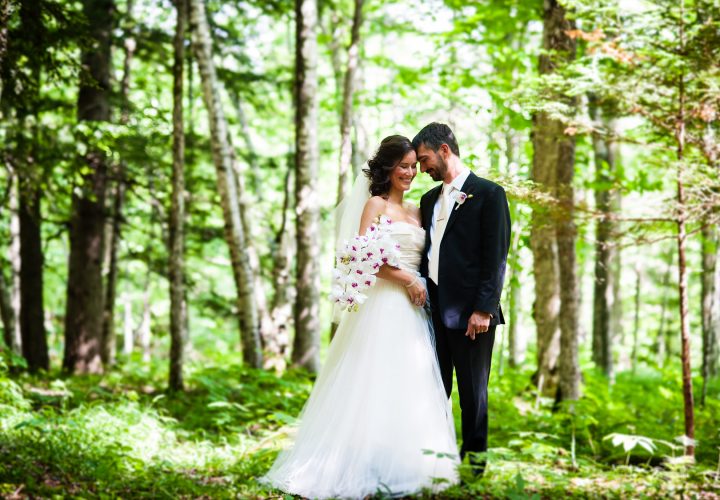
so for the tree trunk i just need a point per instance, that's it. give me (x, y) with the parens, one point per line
(334, 33)
(246, 202)
(7, 313)
(709, 346)
(84, 310)
(360, 147)
(143, 332)
(514, 266)
(32, 313)
(662, 342)
(604, 286)
(109, 347)
(636, 322)
(306, 347)
(128, 340)
(281, 308)
(566, 234)
(178, 309)
(227, 187)
(689, 405)
(553, 156)
(617, 325)
(250, 152)
(4, 16)
(15, 340)
(346, 118)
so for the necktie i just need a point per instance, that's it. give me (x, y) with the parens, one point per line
(438, 231)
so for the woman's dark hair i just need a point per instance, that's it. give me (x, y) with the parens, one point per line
(391, 151)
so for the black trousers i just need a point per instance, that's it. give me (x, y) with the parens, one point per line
(471, 361)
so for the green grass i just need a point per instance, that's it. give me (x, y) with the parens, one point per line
(122, 435)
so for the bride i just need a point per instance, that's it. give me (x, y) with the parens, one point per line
(378, 419)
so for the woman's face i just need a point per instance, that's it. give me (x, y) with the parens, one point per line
(404, 172)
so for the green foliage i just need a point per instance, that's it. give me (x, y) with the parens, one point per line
(120, 435)
(471, 63)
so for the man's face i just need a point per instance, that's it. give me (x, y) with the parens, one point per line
(431, 162)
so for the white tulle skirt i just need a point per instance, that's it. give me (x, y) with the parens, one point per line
(377, 419)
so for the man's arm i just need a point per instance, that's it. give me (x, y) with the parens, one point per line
(423, 200)
(495, 230)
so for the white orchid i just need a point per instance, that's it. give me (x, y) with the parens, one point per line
(359, 260)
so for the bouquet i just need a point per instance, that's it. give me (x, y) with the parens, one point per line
(359, 260)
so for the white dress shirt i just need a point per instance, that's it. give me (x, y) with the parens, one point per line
(447, 189)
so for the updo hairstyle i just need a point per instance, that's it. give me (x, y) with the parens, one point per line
(391, 151)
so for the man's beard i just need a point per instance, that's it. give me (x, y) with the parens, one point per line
(439, 170)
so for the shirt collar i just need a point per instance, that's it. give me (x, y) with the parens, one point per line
(459, 181)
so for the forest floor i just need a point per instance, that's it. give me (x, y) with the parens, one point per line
(122, 435)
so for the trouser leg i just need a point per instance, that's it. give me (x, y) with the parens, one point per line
(471, 359)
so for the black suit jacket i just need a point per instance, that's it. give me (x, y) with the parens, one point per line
(473, 252)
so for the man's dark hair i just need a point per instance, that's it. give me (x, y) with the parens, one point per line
(434, 135)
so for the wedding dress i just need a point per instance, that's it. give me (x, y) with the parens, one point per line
(378, 419)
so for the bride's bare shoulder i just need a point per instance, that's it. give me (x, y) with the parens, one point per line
(373, 207)
(375, 204)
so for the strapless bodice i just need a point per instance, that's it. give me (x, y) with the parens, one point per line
(411, 239)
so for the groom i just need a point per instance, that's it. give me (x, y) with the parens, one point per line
(467, 234)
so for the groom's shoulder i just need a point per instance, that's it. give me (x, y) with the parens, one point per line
(486, 184)
(429, 193)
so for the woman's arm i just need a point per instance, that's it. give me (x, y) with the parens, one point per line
(373, 208)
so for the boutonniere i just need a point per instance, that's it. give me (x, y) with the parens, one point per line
(459, 197)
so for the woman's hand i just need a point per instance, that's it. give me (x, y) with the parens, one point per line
(416, 291)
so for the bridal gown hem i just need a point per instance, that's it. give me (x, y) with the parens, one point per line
(378, 419)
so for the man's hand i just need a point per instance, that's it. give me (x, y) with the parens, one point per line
(479, 322)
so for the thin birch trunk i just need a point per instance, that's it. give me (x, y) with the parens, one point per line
(7, 313)
(346, 117)
(250, 152)
(281, 309)
(144, 328)
(14, 257)
(604, 285)
(709, 339)
(235, 235)
(663, 339)
(128, 337)
(514, 267)
(4, 15)
(178, 308)
(689, 405)
(246, 203)
(636, 322)
(108, 350)
(306, 347)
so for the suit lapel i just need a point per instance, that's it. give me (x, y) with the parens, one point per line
(428, 211)
(466, 188)
(430, 206)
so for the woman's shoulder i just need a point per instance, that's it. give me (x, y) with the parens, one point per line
(374, 207)
(376, 203)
